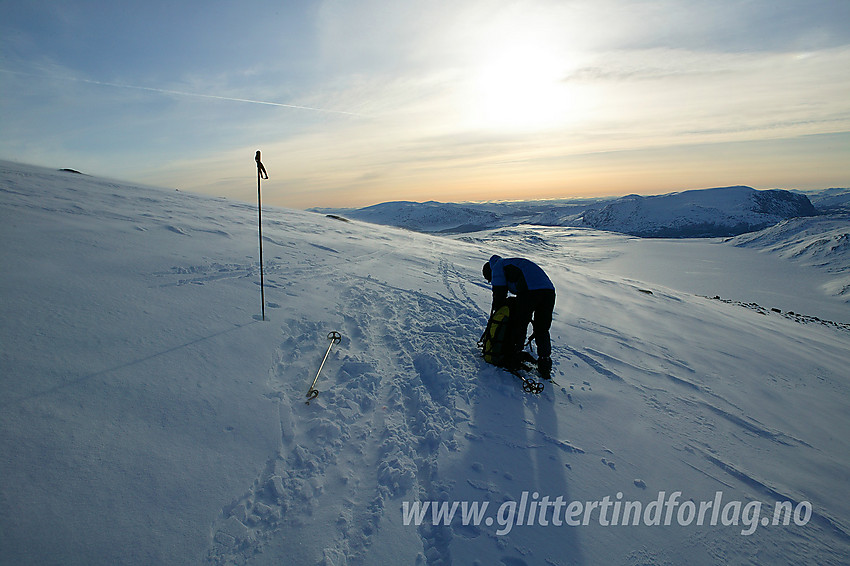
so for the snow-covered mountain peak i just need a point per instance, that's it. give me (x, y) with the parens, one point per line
(724, 211)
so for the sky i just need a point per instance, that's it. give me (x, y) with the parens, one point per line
(359, 102)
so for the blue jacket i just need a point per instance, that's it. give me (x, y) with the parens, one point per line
(516, 275)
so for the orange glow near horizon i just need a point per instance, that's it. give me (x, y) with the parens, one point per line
(762, 165)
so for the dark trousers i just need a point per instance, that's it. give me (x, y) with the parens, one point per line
(539, 303)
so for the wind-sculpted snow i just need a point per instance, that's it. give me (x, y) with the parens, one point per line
(150, 417)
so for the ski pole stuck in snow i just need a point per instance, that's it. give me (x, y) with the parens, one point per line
(335, 338)
(261, 174)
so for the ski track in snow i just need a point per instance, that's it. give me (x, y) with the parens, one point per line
(358, 421)
(656, 390)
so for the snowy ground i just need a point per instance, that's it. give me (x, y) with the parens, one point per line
(801, 265)
(822, 243)
(148, 416)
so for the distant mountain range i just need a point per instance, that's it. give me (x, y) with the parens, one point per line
(726, 211)
(435, 216)
(716, 212)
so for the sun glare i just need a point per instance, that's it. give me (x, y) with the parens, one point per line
(521, 87)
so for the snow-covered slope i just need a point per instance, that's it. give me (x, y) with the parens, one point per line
(831, 200)
(725, 211)
(707, 267)
(822, 242)
(149, 417)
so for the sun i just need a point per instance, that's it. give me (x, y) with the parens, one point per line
(521, 86)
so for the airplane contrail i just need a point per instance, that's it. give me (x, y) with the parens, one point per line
(192, 94)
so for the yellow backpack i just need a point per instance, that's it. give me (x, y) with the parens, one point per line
(495, 343)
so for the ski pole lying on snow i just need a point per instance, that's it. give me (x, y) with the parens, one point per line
(335, 338)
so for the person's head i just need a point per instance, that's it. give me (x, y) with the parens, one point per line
(257, 157)
(487, 270)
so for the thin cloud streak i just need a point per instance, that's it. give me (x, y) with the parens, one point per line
(191, 94)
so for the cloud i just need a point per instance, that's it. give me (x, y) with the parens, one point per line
(353, 100)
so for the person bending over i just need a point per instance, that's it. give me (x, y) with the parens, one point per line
(535, 297)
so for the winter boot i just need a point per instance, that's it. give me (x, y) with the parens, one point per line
(544, 367)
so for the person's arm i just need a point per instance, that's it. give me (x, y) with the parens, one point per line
(500, 296)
